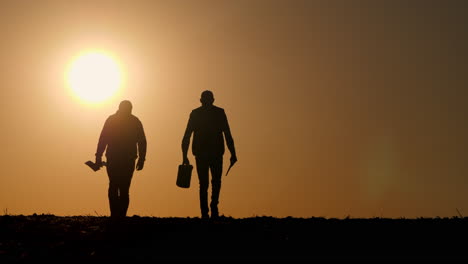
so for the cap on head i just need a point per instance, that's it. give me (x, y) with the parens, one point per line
(125, 107)
(207, 97)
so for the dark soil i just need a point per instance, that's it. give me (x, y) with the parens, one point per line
(84, 238)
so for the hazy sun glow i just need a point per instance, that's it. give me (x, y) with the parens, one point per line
(94, 77)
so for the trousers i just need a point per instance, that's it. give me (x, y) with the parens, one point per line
(120, 173)
(205, 165)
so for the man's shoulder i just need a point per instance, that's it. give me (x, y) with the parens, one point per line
(117, 117)
(196, 111)
(111, 117)
(218, 109)
(135, 119)
(214, 108)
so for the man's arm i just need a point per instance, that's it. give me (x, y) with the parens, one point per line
(229, 139)
(102, 143)
(142, 146)
(186, 140)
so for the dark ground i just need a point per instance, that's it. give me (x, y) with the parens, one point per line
(85, 238)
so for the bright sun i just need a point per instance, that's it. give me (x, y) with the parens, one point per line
(94, 77)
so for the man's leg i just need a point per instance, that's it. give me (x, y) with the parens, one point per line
(113, 192)
(216, 166)
(202, 171)
(120, 175)
(124, 200)
(125, 179)
(113, 199)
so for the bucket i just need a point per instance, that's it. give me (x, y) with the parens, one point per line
(184, 175)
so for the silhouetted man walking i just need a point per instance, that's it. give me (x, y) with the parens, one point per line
(124, 140)
(208, 123)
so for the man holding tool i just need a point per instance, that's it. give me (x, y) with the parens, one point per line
(123, 138)
(209, 126)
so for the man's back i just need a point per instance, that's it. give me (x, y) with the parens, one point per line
(208, 125)
(121, 134)
(121, 137)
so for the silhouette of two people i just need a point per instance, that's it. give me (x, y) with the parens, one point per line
(124, 142)
(210, 127)
(123, 139)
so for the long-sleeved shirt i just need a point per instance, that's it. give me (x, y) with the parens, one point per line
(122, 137)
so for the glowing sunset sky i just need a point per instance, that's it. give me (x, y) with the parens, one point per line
(336, 107)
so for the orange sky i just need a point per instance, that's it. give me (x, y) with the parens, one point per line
(337, 108)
